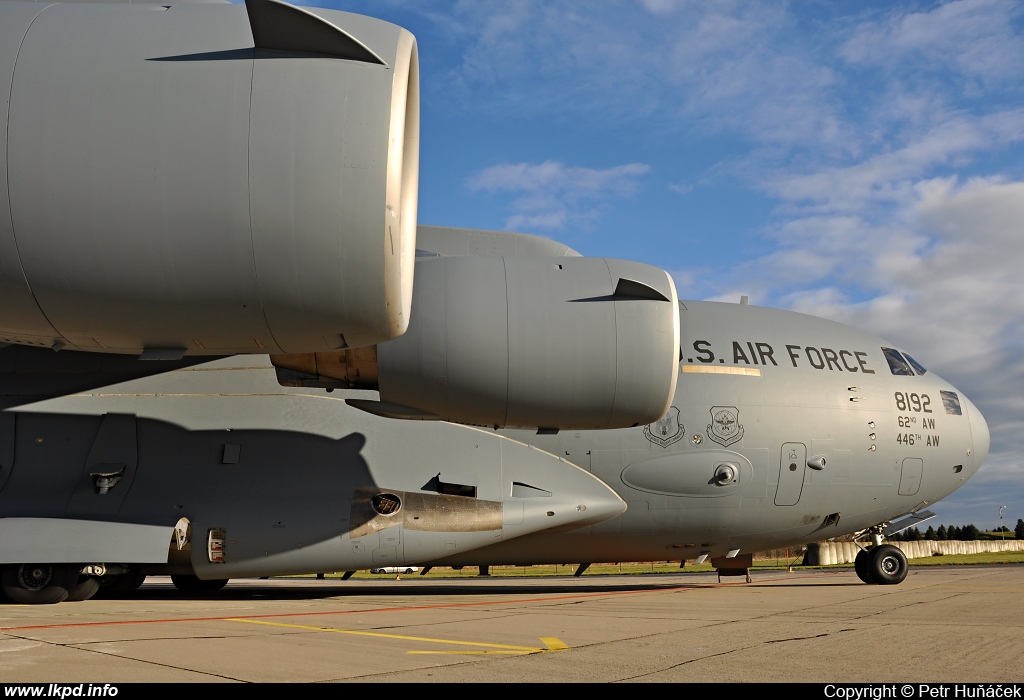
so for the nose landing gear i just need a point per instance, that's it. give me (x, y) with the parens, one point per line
(880, 563)
(884, 564)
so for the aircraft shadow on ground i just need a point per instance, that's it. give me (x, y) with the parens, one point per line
(248, 593)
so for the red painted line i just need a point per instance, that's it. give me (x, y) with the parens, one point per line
(221, 618)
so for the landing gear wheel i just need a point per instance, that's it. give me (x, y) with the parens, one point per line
(38, 584)
(862, 565)
(888, 565)
(85, 589)
(188, 583)
(121, 585)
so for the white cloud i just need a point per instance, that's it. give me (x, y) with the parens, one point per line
(662, 7)
(552, 194)
(551, 175)
(725, 63)
(744, 68)
(557, 59)
(974, 38)
(826, 89)
(889, 175)
(951, 264)
(989, 210)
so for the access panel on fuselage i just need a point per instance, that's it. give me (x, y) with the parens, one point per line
(792, 464)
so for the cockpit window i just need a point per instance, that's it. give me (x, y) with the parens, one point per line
(915, 364)
(897, 365)
(951, 402)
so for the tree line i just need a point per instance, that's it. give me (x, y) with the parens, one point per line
(952, 532)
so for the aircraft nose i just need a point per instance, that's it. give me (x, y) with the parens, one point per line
(980, 436)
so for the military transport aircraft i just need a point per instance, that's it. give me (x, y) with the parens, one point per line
(231, 351)
(783, 429)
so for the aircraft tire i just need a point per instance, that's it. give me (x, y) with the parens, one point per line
(121, 585)
(888, 565)
(187, 583)
(862, 565)
(38, 584)
(85, 589)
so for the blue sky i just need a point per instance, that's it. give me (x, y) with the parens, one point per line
(855, 160)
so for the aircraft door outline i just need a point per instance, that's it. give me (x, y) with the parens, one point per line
(910, 476)
(389, 550)
(792, 465)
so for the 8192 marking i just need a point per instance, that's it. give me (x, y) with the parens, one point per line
(913, 402)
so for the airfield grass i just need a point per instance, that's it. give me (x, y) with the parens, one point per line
(637, 568)
(982, 558)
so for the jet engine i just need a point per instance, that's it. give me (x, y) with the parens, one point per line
(205, 179)
(563, 342)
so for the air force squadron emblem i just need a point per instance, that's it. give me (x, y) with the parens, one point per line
(725, 428)
(666, 431)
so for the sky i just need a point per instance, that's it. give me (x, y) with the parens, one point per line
(859, 161)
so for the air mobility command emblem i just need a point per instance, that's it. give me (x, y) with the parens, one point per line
(666, 431)
(725, 428)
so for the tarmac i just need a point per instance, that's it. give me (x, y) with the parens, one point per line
(954, 624)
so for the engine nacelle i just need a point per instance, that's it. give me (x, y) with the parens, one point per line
(174, 189)
(567, 342)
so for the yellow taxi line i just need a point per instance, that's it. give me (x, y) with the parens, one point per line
(553, 643)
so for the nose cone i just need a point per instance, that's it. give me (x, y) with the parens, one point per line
(979, 432)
